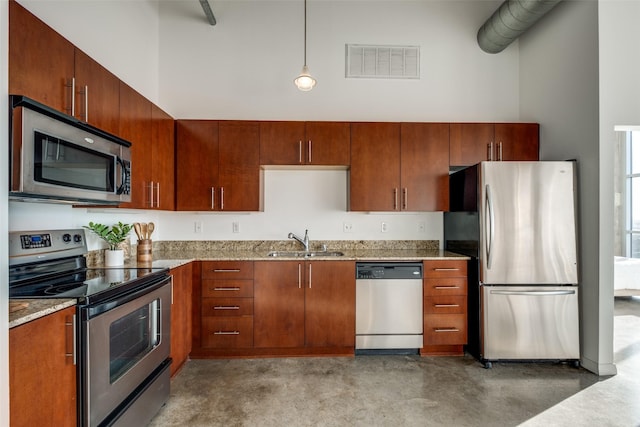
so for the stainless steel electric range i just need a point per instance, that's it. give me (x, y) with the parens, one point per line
(122, 328)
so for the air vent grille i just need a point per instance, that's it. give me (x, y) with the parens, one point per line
(382, 62)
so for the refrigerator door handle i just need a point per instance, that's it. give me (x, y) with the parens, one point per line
(534, 293)
(489, 213)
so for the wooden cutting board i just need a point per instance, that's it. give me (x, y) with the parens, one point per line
(17, 306)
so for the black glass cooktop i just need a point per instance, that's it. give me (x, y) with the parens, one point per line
(85, 283)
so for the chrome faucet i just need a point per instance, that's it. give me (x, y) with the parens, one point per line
(304, 242)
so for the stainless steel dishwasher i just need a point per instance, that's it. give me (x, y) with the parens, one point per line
(389, 312)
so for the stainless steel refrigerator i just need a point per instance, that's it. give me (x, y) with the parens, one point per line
(517, 220)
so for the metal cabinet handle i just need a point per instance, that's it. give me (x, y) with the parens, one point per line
(446, 330)
(309, 152)
(226, 333)
(225, 270)
(74, 347)
(446, 269)
(85, 92)
(490, 151)
(300, 151)
(151, 194)
(446, 305)
(226, 307)
(221, 198)
(447, 287)
(309, 276)
(158, 195)
(171, 276)
(71, 83)
(500, 150)
(213, 197)
(299, 276)
(395, 199)
(405, 196)
(227, 289)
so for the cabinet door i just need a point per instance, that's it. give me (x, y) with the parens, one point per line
(196, 163)
(327, 144)
(135, 127)
(278, 310)
(42, 378)
(517, 141)
(424, 166)
(469, 143)
(281, 143)
(40, 60)
(97, 94)
(330, 304)
(375, 167)
(163, 156)
(239, 166)
(181, 316)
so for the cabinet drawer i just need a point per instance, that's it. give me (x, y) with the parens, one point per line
(227, 332)
(445, 268)
(445, 286)
(227, 270)
(445, 305)
(227, 288)
(443, 329)
(227, 306)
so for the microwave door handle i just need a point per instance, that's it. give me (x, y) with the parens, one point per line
(123, 175)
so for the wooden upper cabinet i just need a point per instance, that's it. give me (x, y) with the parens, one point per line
(471, 143)
(374, 180)
(304, 143)
(517, 141)
(41, 61)
(196, 164)
(135, 127)
(239, 166)
(97, 94)
(42, 378)
(163, 160)
(424, 166)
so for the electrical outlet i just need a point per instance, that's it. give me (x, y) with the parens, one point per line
(347, 227)
(383, 227)
(235, 226)
(421, 227)
(197, 227)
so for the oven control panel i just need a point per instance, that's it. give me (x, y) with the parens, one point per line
(29, 246)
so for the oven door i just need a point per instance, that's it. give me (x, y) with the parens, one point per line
(126, 340)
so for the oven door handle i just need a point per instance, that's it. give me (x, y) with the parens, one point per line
(97, 309)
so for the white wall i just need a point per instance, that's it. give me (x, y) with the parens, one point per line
(243, 68)
(4, 215)
(559, 89)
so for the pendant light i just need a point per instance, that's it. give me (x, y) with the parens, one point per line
(304, 81)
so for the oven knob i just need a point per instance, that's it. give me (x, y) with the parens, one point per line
(77, 238)
(66, 238)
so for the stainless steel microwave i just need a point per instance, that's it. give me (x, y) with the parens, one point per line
(57, 158)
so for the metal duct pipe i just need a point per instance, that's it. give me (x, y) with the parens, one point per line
(509, 21)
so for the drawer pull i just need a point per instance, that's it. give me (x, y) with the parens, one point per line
(223, 270)
(446, 305)
(226, 333)
(446, 269)
(227, 289)
(226, 307)
(447, 287)
(446, 330)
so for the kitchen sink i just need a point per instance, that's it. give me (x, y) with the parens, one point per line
(303, 254)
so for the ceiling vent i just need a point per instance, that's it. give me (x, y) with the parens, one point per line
(382, 62)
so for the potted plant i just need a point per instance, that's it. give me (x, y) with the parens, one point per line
(114, 236)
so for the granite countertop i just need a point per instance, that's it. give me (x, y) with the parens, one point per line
(181, 253)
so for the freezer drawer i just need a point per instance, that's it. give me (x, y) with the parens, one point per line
(530, 322)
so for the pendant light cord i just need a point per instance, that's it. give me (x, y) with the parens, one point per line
(305, 32)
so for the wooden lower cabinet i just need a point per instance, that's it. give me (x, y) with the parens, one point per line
(445, 307)
(181, 323)
(42, 375)
(305, 305)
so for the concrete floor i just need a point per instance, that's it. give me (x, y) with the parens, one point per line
(409, 390)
